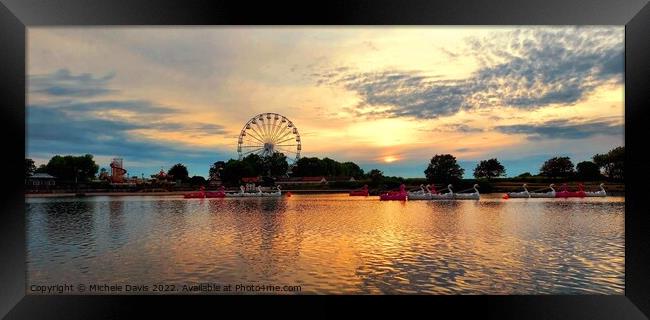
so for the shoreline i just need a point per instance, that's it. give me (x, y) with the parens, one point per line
(181, 193)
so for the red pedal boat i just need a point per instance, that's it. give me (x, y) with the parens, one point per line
(565, 193)
(221, 193)
(205, 194)
(400, 195)
(195, 195)
(363, 192)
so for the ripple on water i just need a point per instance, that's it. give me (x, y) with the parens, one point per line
(333, 243)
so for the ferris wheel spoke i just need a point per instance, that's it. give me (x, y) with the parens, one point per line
(279, 129)
(259, 130)
(278, 140)
(276, 130)
(285, 140)
(268, 125)
(283, 132)
(252, 129)
(266, 131)
(275, 134)
(258, 133)
(286, 145)
(256, 138)
(253, 146)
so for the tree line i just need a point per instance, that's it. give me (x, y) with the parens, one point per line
(276, 165)
(442, 168)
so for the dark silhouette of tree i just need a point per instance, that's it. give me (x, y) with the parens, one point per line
(309, 167)
(41, 169)
(351, 169)
(443, 168)
(491, 168)
(254, 165)
(216, 169)
(276, 164)
(588, 171)
(612, 163)
(376, 177)
(179, 172)
(73, 168)
(197, 181)
(30, 167)
(557, 167)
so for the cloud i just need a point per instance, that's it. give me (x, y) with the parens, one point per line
(525, 68)
(109, 127)
(62, 83)
(52, 131)
(564, 129)
(462, 128)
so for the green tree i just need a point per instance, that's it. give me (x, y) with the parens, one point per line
(276, 164)
(557, 167)
(255, 165)
(41, 169)
(216, 169)
(306, 167)
(179, 171)
(587, 170)
(197, 181)
(351, 169)
(73, 168)
(309, 167)
(491, 168)
(376, 177)
(332, 167)
(30, 167)
(443, 168)
(612, 163)
(234, 170)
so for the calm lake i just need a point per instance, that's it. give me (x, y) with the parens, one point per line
(331, 244)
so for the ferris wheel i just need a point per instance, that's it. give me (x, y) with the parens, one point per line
(267, 133)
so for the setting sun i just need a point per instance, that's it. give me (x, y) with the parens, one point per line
(390, 159)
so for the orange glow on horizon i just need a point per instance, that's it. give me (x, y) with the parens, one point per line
(389, 159)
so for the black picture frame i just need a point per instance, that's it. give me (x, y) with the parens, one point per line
(17, 15)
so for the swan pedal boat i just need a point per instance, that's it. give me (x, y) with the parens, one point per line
(259, 193)
(529, 194)
(420, 194)
(549, 194)
(428, 195)
(599, 193)
(522, 194)
(468, 196)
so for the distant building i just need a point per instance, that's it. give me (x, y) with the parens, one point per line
(41, 180)
(162, 178)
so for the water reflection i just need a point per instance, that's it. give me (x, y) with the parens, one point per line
(334, 243)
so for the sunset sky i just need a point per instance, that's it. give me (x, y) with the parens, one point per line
(387, 98)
